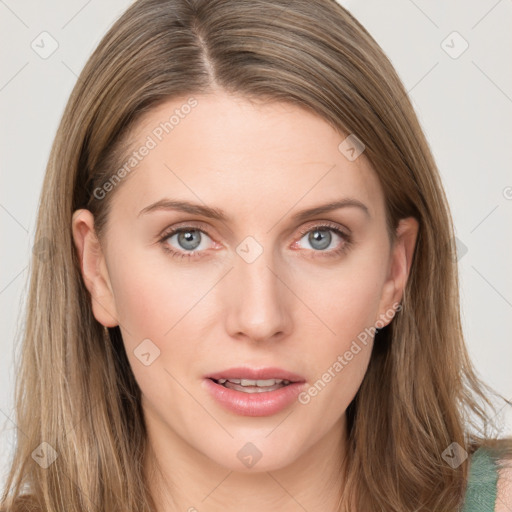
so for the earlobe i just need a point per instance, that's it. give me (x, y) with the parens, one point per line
(400, 263)
(93, 268)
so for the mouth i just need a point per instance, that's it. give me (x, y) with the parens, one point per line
(254, 392)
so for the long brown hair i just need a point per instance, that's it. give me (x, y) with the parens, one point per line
(75, 390)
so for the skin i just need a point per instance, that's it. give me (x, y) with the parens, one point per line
(294, 307)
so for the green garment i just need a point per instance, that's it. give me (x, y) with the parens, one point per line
(482, 482)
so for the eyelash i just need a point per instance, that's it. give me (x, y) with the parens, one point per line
(347, 244)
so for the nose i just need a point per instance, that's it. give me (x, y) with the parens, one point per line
(258, 300)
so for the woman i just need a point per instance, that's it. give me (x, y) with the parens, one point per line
(251, 299)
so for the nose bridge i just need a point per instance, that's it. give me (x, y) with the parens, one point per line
(258, 302)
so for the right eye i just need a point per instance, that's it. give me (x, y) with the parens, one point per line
(185, 242)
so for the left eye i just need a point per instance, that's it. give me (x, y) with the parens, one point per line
(320, 238)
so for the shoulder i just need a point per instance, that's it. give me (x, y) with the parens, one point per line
(504, 486)
(490, 477)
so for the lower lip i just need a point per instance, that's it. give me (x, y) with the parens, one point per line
(265, 403)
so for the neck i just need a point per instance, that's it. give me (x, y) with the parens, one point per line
(183, 479)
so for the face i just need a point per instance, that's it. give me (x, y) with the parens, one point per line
(221, 253)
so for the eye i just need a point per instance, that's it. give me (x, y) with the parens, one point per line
(191, 242)
(326, 238)
(185, 242)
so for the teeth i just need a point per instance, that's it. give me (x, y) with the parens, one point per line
(251, 382)
(262, 383)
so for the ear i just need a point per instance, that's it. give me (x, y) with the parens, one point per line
(93, 267)
(402, 252)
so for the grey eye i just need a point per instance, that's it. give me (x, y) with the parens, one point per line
(320, 239)
(189, 240)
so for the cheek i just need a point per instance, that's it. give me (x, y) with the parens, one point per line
(347, 301)
(339, 359)
(142, 305)
(152, 291)
(346, 297)
(160, 300)
(155, 304)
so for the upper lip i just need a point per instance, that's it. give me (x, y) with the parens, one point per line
(256, 374)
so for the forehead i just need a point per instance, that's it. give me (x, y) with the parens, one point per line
(226, 150)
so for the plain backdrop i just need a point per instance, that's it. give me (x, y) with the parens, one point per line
(454, 59)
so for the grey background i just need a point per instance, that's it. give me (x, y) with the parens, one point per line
(464, 105)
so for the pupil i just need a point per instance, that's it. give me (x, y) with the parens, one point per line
(320, 238)
(189, 240)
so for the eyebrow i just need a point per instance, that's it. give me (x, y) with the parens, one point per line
(219, 214)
